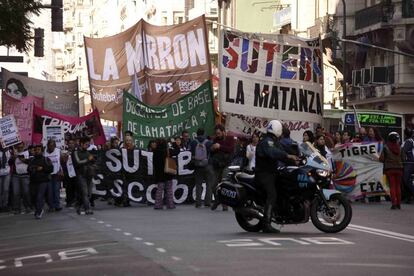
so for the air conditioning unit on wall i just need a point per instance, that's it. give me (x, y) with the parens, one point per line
(379, 91)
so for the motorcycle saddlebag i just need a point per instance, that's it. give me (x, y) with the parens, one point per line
(231, 194)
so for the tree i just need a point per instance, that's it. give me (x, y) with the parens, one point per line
(15, 23)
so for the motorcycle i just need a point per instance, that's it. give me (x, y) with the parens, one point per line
(302, 194)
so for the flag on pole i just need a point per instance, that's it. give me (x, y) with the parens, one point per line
(136, 90)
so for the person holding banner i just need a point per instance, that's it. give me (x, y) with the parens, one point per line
(4, 178)
(53, 189)
(20, 179)
(222, 152)
(40, 168)
(393, 168)
(163, 180)
(83, 161)
(69, 173)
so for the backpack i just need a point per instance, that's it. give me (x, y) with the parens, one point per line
(200, 154)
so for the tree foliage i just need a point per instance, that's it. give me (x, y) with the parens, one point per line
(15, 23)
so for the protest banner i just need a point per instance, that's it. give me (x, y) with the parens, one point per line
(135, 170)
(22, 110)
(73, 127)
(357, 170)
(191, 112)
(271, 76)
(168, 62)
(62, 97)
(9, 134)
(241, 125)
(54, 133)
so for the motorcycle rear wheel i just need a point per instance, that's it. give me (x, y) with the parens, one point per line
(328, 222)
(249, 224)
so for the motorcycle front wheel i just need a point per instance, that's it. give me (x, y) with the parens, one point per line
(248, 223)
(335, 217)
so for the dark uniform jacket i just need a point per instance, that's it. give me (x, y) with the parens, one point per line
(268, 155)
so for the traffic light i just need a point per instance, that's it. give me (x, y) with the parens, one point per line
(38, 42)
(57, 15)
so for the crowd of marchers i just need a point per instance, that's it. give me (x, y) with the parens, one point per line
(32, 178)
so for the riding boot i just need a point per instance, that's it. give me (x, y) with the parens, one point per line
(267, 225)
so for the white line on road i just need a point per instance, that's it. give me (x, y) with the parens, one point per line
(92, 218)
(176, 258)
(161, 250)
(264, 248)
(127, 234)
(100, 222)
(108, 225)
(149, 243)
(118, 229)
(196, 269)
(138, 238)
(374, 265)
(383, 233)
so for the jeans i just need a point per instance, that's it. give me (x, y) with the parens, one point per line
(4, 190)
(408, 171)
(21, 190)
(53, 192)
(204, 174)
(40, 196)
(85, 188)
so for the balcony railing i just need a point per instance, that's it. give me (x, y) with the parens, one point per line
(381, 12)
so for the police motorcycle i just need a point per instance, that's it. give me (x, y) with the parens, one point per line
(302, 194)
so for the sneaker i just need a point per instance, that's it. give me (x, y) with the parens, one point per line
(89, 212)
(22, 212)
(393, 207)
(39, 216)
(198, 205)
(214, 206)
(58, 209)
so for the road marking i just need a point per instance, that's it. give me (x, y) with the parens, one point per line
(149, 243)
(137, 238)
(383, 233)
(108, 225)
(264, 248)
(279, 242)
(100, 222)
(374, 265)
(240, 242)
(176, 258)
(196, 269)
(127, 234)
(118, 229)
(161, 250)
(92, 218)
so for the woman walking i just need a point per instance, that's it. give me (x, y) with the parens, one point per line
(393, 168)
(163, 180)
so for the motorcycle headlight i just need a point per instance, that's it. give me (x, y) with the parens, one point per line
(322, 173)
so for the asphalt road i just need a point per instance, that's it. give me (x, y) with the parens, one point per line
(188, 241)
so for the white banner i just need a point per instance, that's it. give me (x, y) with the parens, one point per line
(54, 133)
(357, 171)
(271, 76)
(9, 134)
(240, 125)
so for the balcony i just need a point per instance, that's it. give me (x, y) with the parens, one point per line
(59, 63)
(211, 12)
(69, 45)
(379, 13)
(68, 25)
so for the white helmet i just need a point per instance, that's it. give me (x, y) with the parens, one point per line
(275, 127)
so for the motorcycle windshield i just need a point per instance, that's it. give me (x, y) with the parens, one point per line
(313, 157)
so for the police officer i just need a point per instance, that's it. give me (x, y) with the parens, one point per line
(268, 154)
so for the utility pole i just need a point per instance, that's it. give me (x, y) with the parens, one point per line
(344, 71)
